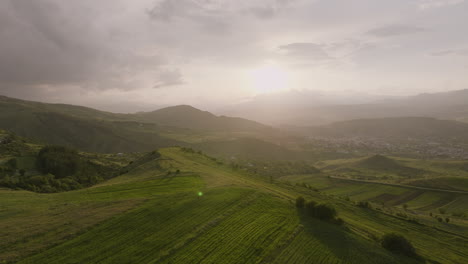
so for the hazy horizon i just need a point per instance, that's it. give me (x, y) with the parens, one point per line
(125, 56)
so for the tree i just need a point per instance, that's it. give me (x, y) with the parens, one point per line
(405, 206)
(310, 207)
(325, 212)
(442, 210)
(22, 172)
(300, 202)
(398, 244)
(447, 220)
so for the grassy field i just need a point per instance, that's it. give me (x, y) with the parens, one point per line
(189, 208)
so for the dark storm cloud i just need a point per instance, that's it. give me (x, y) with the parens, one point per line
(47, 43)
(43, 46)
(395, 30)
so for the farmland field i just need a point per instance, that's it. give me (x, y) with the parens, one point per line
(209, 213)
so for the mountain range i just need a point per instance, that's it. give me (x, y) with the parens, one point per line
(310, 109)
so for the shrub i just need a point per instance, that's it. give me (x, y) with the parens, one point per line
(442, 210)
(364, 204)
(398, 244)
(300, 202)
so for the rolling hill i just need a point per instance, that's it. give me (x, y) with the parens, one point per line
(93, 130)
(308, 109)
(185, 116)
(403, 128)
(184, 207)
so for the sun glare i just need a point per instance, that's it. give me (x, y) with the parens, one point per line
(268, 79)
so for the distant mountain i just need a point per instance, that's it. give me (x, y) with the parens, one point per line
(394, 128)
(309, 109)
(186, 116)
(97, 131)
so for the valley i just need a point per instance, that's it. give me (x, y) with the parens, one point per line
(222, 191)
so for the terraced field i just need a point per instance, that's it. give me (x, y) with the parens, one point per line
(205, 213)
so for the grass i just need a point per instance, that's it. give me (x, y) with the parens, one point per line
(150, 216)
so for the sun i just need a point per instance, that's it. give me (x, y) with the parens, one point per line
(269, 78)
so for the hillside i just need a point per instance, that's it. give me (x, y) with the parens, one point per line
(184, 207)
(395, 128)
(308, 109)
(249, 148)
(92, 130)
(376, 167)
(185, 116)
(46, 169)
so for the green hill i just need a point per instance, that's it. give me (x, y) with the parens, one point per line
(386, 164)
(184, 207)
(372, 168)
(97, 131)
(186, 116)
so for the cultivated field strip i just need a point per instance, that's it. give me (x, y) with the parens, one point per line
(145, 232)
(248, 236)
(319, 242)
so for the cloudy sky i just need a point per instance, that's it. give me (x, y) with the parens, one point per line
(124, 55)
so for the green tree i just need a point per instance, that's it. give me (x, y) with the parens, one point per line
(300, 202)
(325, 212)
(398, 244)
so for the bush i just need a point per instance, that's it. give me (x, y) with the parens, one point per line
(300, 202)
(398, 244)
(364, 204)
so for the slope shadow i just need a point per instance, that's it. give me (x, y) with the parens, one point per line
(343, 245)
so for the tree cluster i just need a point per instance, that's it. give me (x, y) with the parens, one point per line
(398, 244)
(324, 212)
(60, 169)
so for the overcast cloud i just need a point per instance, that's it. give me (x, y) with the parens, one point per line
(145, 53)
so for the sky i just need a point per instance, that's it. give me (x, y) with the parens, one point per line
(128, 56)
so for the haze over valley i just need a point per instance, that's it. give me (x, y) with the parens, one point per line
(215, 131)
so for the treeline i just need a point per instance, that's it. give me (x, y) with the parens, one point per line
(59, 169)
